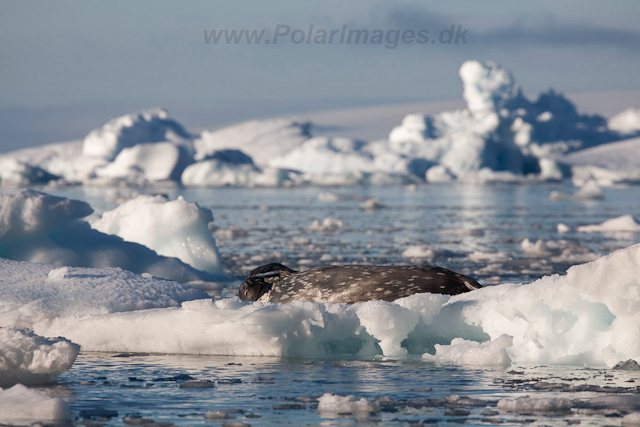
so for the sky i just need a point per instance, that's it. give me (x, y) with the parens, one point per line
(69, 66)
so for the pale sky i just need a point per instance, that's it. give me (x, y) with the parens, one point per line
(68, 66)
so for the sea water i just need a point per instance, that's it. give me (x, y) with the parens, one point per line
(452, 219)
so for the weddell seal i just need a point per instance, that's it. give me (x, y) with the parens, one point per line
(350, 283)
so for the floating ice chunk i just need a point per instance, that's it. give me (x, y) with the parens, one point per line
(532, 405)
(173, 228)
(20, 405)
(327, 225)
(464, 352)
(534, 250)
(484, 257)
(337, 404)
(419, 251)
(30, 359)
(371, 204)
(624, 223)
(563, 228)
(328, 197)
(626, 122)
(589, 191)
(131, 129)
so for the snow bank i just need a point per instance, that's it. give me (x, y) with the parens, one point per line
(173, 228)
(336, 404)
(38, 227)
(27, 358)
(586, 316)
(20, 405)
(32, 292)
(624, 223)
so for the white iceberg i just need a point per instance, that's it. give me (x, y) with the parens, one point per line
(30, 359)
(132, 129)
(172, 228)
(20, 405)
(38, 227)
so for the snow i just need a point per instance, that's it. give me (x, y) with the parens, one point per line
(337, 404)
(624, 223)
(38, 227)
(20, 405)
(32, 292)
(30, 359)
(172, 228)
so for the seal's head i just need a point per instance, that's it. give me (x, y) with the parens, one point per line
(253, 288)
(260, 280)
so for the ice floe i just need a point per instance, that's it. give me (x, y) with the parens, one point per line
(570, 319)
(624, 223)
(336, 404)
(20, 405)
(27, 358)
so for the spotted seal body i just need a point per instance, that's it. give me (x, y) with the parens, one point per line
(350, 283)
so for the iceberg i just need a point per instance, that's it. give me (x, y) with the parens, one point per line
(38, 227)
(172, 228)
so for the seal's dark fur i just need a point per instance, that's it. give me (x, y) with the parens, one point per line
(350, 283)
